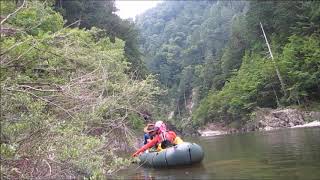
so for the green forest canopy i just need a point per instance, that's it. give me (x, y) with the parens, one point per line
(216, 48)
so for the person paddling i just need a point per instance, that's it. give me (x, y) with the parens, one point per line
(148, 133)
(162, 136)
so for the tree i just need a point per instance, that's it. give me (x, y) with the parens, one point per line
(100, 13)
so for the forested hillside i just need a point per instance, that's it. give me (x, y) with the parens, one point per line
(96, 13)
(77, 82)
(213, 54)
(71, 95)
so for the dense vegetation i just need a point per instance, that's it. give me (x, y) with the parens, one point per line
(69, 100)
(214, 52)
(74, 86)
(100, 13)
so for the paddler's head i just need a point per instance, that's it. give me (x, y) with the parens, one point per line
(159, 127)
(149, 128)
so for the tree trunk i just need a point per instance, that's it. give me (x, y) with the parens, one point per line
(274, 63)
(185, 100)
(275, 93)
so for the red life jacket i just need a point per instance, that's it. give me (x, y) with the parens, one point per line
(167, 139)
(164, 136)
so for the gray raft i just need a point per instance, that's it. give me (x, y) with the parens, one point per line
(182, 154)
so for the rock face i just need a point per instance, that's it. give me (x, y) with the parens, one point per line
(281, 118)
(268, 119)
(214, 129)
(311, 116)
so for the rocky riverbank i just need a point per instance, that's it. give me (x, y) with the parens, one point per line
(264, 119)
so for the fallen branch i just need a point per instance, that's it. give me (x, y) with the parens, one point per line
(66, 111)
(48, 166)
(41, 90)
(13, 46)
(6, 18)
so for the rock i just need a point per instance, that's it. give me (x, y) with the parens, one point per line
(279, 118)
(291, 124)
(311, 116)
(262, 124)
(268, 128)
(266, 119)
(311, 124)
(211, 133)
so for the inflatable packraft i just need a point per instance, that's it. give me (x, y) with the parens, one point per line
(182, 154)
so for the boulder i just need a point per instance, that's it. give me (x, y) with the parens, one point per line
(268, 119)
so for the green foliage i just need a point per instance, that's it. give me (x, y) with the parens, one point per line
(233, 53)
(101, 14)
(38, 19)
(79, 150)
(250, 86)
(67, 100)
(7, 150)
(178, 38)
(7, 7)
(301, 68)
(240, 94)
(71, 96)
(202, 45)
(136, 121)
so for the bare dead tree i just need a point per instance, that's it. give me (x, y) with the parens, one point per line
(274, 62)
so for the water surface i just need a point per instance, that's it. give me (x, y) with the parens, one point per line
(281, 154)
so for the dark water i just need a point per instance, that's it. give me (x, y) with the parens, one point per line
(288, 154)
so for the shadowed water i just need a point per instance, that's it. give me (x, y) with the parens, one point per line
(282, 154)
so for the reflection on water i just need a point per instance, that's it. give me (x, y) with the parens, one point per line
(282, 154)
(187, 172)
